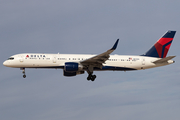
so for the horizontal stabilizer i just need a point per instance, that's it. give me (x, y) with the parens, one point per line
(164, 59)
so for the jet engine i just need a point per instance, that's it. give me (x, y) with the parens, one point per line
(72, 69)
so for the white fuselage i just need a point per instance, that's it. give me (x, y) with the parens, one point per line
(115, 62)
(74, 64)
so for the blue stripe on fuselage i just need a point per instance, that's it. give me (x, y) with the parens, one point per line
(114, 68)
(96, 69)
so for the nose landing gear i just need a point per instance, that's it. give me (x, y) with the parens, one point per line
(23, 71)
(24, 76)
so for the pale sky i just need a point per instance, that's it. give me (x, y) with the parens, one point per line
(88, 27)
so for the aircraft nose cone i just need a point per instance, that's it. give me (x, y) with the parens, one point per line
(5, 63)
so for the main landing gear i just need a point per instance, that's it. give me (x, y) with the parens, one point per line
(23, 71)
(91, 77)
(90, 72)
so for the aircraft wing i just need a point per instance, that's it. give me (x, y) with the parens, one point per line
(164, 59)
(98, 60)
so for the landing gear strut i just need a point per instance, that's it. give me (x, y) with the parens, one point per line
(23, 71)
(90, 72)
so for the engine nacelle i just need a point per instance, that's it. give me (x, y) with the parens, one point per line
(69, 74)
(72, 69)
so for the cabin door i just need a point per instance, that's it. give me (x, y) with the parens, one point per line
(21, 59)
(143, 61)
(54, 59)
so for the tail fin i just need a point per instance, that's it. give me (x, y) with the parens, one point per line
(161, 47)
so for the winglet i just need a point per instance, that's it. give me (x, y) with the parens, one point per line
(115, 45)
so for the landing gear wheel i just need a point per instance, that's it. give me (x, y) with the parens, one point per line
(24, 76)
(91, 77)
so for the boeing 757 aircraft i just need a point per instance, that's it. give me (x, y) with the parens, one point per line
(75, 64)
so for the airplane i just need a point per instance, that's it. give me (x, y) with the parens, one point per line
(75, 64)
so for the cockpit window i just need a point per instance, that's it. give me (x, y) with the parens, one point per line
(11, 58)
